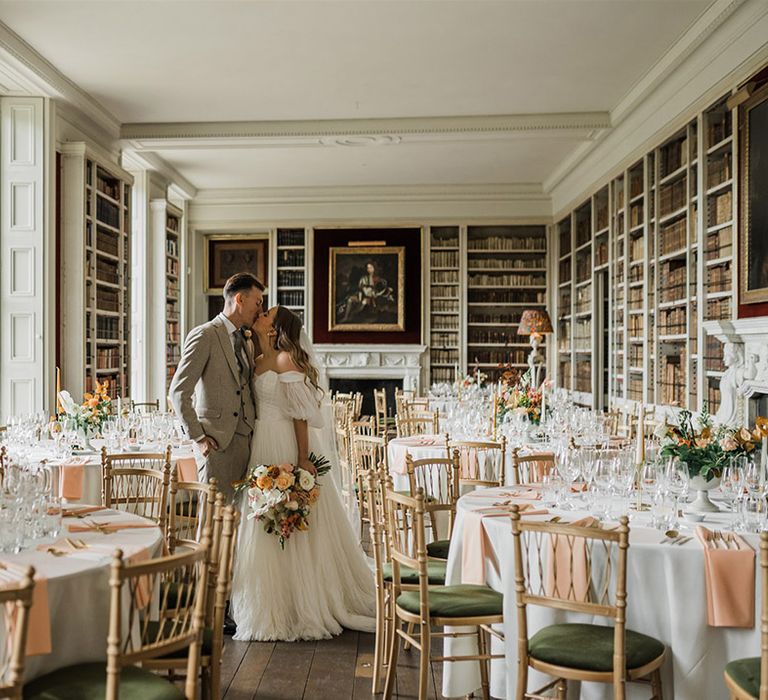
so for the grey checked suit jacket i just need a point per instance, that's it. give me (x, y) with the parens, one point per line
(209, 370)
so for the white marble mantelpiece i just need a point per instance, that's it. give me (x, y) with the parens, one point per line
(750, 370)
(347, 361)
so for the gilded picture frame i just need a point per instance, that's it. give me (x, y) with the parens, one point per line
(753, 236)
(226, 254)
(366, 288)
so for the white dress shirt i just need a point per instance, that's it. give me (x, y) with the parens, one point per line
(232, 329)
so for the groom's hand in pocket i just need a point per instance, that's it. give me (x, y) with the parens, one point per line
(207, 445)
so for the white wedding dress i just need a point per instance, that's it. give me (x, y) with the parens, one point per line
(321, 582)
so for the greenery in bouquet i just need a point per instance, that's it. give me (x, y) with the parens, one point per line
(281, 496)
(517, 394)
(91, 414)
(706, 448)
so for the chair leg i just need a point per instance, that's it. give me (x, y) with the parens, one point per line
(482, 650)
(394, 646)
(561, 689)
(379, 643)
(425, 658)
(406, 643)
(656, 685)
(522, 681)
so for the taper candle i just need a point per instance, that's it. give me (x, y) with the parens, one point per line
(640, 447)
(59, 409)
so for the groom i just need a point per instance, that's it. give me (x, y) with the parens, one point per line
(216, 366)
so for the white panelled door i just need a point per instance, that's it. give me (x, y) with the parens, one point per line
(21, 256)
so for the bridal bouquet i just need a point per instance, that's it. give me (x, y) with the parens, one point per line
(281, 496)
(705, 448)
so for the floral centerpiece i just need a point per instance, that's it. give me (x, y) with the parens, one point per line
(91, 414)
(706, 449)
(281, 496)
(518, 395)
(471, 380)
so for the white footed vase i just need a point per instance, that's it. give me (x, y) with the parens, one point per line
(702, 502)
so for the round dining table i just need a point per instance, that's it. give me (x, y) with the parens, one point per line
(69, 618)
(666, 599)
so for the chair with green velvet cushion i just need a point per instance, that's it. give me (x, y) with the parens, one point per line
(747, 679)
(477, 607)
(438, 549)
(576, 561)
(132, 587)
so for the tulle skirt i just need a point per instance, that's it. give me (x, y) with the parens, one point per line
(320, 583)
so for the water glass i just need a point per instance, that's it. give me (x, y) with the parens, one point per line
(52, 519)
(664, 511)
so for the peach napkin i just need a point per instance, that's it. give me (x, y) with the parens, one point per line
(71, 475)
(527, 494)
(469, 465)
(39, 631)
(143, 592)
(78, 512)
(566, 572)
(730, 581)
(108, 527)
(475, 545)
(186, 469)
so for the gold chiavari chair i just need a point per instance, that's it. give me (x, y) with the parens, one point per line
(15, 601)
(429, 606)
(138, 483)
(224, 534)
(190, 510)
(438, 478)
(531, 468)
(415, 406)
(400, 396)
(346, 467)
(584, 571)
(368, 452)
(145, 406)
(378, 482)
(364, 426)
(480, 463)
(385, 426)
(747, 679)
(417, 424)
(136, 636)
(342, 405)
(614, 421)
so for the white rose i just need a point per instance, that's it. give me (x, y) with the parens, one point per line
(292, 505)
(67, 402)
(306, 480)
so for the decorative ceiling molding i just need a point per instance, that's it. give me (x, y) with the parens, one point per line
(357, 132)
(529, 192)
(47, 80)
(133, 160)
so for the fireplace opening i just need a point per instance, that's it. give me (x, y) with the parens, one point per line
(366, 387)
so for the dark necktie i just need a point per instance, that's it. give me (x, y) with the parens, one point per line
(240, 355)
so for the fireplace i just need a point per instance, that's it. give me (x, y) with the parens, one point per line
(366, 387)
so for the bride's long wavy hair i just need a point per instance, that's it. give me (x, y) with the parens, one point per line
(287, 327)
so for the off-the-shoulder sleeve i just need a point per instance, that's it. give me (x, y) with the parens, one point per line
(302, 399)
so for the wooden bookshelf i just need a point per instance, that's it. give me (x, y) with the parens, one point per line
(291, 272)
(670, 247)
(96, 224)
(506, 274)
(445, 255)
(173, 338)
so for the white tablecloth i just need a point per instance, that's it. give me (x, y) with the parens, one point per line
(78, 590)
(93, 473)
(665, 597)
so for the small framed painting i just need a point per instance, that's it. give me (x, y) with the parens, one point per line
(754, 202)
(367, 288)
(226, 255)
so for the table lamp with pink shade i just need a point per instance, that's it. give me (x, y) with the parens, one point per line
(535, 323)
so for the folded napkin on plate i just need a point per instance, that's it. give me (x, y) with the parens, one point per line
(729, 568)
(71, 475)
(566, 570)
(527, 494)
(80, 511)
(108, 527)
(186, 468)
(39, 626)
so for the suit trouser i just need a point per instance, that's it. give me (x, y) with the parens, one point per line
(227, 465)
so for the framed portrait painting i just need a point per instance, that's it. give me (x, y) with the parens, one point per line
(754, 202)
(367, 287)
(226, 255)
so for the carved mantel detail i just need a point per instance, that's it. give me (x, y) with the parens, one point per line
(377, 362)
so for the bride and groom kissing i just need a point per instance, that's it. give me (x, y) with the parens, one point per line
(258, 401)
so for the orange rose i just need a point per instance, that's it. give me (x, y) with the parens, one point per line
(264, 482)
(92, 403)
(314, 494)
(761, 424)
(284, 481)
(274, 472)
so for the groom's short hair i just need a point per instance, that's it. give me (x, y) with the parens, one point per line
(241, 282)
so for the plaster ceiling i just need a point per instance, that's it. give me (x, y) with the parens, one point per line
(207, 61)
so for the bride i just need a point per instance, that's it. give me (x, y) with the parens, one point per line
(321, 581)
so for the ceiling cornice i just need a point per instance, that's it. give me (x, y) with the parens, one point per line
(47, 80)
(393, 193)
(133, 160)
(151, 136)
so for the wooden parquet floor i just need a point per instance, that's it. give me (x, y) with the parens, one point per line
(334, 669)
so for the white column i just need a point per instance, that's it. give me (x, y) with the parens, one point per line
(22, 237)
